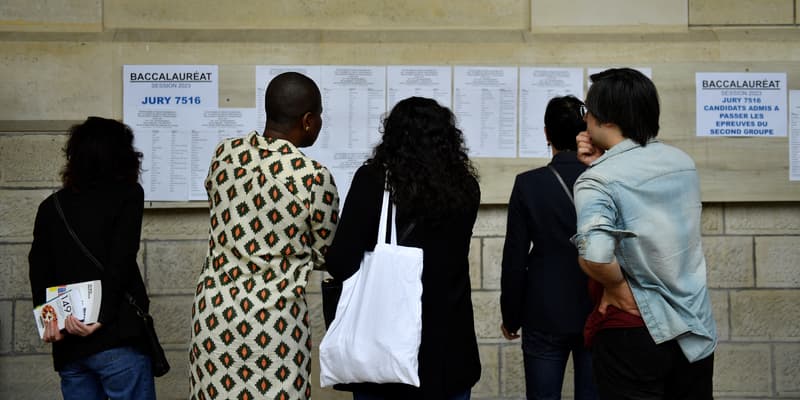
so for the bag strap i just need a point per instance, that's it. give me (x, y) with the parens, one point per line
(89, 254)
(563, 185)
(387, 212)
(83, 248)
(389, 216)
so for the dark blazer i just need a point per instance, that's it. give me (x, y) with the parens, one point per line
(448, 358)
(543, 287)
(108, 220)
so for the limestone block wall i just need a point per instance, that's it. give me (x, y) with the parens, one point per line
(61, 60)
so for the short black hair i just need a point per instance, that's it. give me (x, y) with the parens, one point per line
(563, 121)
(627, 98)
(100, 151)
(289, 96)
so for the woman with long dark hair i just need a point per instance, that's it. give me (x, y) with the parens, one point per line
(102, 202)
(422, 159)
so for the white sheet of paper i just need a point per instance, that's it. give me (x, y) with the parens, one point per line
(403, 81)
(353, 103)
(153, 96)
(208, 128)
(740, 104)
(536, 87)
(265, 73)
(794, 139)
(165, 166)
(485, 105)
(159, 86)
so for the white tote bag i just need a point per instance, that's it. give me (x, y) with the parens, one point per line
(376, 334)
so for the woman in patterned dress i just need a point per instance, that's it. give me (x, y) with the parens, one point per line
(273, 213)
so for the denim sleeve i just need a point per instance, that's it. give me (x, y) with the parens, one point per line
(597, 213)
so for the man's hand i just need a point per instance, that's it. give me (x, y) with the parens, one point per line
(508, 335)
(587, 151)
(76, 327)
(51, 332)
(620, 296)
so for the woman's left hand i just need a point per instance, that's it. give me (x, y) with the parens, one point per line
(76, 327)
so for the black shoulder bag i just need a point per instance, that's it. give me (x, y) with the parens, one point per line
(160, 365)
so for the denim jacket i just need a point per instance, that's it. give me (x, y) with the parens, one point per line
(641, 205)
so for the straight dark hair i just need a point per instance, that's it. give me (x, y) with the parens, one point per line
(627, 98)
(563, 121)
(100, 151)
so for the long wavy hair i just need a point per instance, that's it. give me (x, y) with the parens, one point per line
(426, 161)
(100, 151)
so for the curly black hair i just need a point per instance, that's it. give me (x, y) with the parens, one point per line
(100, 151)
(426, 161)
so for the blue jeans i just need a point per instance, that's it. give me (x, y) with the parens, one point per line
(545, 357)
(121, 373)
(366, 396)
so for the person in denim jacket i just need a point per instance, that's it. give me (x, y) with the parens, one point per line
(638, 236)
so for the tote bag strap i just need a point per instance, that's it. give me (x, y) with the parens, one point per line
(386, 210)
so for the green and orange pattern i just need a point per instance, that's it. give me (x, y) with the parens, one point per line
(273, 212)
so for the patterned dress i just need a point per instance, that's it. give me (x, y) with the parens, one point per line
(273, 215)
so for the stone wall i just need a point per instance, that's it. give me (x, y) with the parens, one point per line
(752, 252)
(61, 60)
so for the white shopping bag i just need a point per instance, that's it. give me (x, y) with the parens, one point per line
(376, 334)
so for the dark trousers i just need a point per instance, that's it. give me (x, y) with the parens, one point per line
(628, 364)
(546, 355)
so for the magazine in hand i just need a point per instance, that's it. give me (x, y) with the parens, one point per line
(91, 292)
(56, 309)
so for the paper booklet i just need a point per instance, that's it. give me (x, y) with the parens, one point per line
(90, 293)
(56, 309)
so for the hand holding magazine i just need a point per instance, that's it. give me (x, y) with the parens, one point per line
(90, 293)
(81, 300)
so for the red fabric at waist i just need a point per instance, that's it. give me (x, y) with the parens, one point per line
(613, 318)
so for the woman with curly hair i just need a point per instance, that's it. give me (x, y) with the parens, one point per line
(103, 203)
(422, 159)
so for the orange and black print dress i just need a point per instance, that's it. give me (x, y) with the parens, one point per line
(273, 213)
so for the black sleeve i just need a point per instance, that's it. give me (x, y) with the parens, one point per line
(118, 274)
(39, 260)
(515, 253)
(358, 225)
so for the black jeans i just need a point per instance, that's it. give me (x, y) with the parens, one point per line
(628, 364)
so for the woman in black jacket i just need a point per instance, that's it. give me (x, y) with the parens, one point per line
(103, 203)
(543, 290)
(434, 187)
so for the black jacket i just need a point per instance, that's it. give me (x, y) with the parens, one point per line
(543, 287)
(108, 220)
(448, 358)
